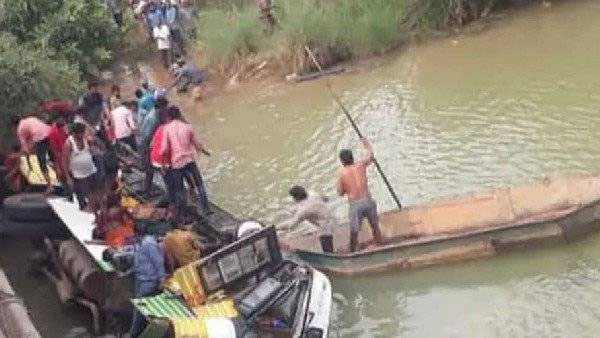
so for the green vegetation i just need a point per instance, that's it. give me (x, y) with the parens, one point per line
(47, 48)
(28, 76)
(336, 30)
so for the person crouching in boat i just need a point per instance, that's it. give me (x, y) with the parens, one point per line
(314, 209)
(354, 184)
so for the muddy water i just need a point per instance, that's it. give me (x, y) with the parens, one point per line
(511, 104)
(49, 316)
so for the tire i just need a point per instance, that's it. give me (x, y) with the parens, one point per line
(53, 229)
(28, 207)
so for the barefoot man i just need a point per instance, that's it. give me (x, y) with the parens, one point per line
(353, 183)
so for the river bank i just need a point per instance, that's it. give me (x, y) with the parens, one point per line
(334, 31)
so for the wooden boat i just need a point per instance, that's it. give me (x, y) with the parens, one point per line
(484, 224)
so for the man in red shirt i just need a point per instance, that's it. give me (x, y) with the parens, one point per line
(56, 138)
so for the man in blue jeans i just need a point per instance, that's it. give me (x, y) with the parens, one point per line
(149, 274)
(148, 126)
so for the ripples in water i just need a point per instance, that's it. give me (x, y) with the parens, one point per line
(514, 104)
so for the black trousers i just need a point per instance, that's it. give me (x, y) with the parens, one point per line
(130, 141)
(118, 19)
(83, 187)
(165, 55)
(41, 152)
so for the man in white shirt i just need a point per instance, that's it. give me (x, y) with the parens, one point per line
(124, 125)
(314, 209)
(162, 35)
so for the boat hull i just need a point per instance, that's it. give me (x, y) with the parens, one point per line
(545, 224)
(453, 248)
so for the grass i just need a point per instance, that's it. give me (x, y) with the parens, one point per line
(336, 30)
(228, 34)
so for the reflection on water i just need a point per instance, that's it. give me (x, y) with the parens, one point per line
(543, 293)
(512, 104)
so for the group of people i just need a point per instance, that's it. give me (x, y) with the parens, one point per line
(83, 144)
(167, 22)
(353, 184)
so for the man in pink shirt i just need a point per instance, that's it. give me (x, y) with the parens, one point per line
(124, 125)
(180, 146)
(33, 138)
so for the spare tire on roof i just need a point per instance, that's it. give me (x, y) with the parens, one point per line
(28, 207)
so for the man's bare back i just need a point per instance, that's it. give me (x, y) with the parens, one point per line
(353, 180)
(353, 183)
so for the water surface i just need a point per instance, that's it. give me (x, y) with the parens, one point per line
(512, 104)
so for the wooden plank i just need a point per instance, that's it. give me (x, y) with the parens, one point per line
(315, 75)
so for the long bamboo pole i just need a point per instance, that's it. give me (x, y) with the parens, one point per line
(355, 127)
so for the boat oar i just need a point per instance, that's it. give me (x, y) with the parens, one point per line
(355, 127)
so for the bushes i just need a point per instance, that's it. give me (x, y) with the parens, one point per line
(46, 48)
(335, 29)
(20, 17)
(340, 28)
(28, 76)
(226, 34)
(80, 32)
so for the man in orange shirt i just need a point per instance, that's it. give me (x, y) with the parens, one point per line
(354, 184)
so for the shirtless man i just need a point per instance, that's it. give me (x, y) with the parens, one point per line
(354, 184)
